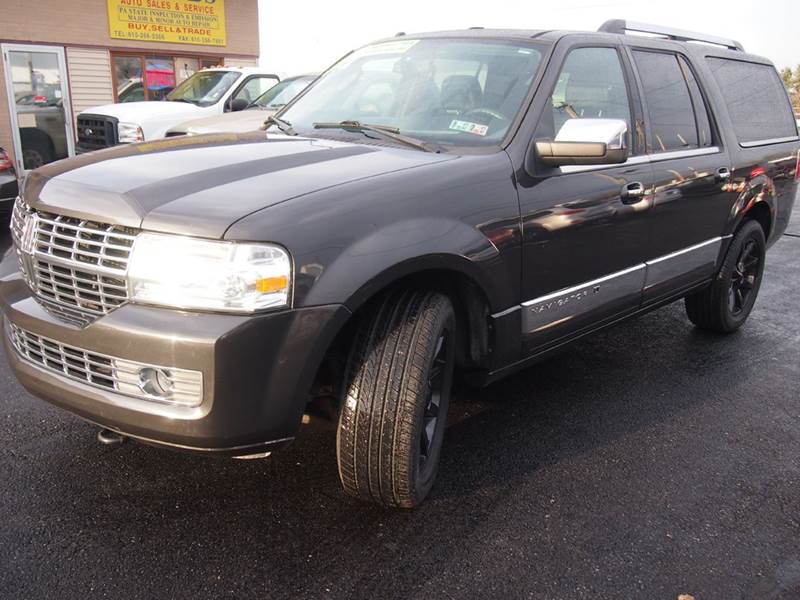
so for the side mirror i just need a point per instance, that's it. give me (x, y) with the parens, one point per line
(586, 142)
(238, 104)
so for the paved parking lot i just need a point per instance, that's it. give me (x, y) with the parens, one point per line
(650, 461)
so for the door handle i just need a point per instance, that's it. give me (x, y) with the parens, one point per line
(722, 175)
(632, 192)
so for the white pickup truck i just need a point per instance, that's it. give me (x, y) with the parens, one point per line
(208, 92)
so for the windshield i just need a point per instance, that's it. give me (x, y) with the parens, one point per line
(446, 91)
(204, 88)
(280, 93)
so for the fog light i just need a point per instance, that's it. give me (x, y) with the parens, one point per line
(160, 384)
(156, 382)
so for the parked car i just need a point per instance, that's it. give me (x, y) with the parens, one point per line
(475, 199)
(208, 92)
(253, 117)
(8, 183)
(44, 138)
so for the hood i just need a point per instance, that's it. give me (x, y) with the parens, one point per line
(138, 112)
(201, 185)
(236, 122)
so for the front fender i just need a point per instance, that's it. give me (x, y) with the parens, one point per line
(407, 247)
(349, 241)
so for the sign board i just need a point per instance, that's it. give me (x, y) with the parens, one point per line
(175, 21)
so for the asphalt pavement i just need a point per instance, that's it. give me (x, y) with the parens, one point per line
(649, 461)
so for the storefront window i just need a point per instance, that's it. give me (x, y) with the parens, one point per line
(140, 77)
(128, 74)
(185, 67)
(159, 77)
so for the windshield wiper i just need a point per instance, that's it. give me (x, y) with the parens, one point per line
(182, 100)
(284, 126)
(392, 133)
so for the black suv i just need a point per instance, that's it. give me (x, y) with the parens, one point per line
(474, 199)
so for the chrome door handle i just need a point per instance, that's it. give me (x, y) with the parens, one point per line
(723, 174)
(632, 192)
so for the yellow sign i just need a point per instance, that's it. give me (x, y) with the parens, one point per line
(177, 21)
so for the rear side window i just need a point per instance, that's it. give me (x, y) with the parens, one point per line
(756, 100)
(673, 124)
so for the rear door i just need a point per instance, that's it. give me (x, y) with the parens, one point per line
(584, 237)
(693, 196)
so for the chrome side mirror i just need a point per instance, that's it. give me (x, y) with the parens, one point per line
(586, 142)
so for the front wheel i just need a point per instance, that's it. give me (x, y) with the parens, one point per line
(397, 390)
(725, 305)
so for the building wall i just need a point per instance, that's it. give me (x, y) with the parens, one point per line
(85, 23)
(89, 81)
(81, 27)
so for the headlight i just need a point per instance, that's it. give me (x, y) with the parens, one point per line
(191, 273)
(129, 133)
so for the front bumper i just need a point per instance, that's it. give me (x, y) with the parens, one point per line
(257, 370)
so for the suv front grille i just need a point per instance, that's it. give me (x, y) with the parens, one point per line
(75, 266)
(95, 132)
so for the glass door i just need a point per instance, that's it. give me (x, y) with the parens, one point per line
(38, 99)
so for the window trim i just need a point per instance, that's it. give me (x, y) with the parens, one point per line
(642, 159)
(142, 56)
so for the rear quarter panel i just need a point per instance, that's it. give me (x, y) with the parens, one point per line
(760, 174)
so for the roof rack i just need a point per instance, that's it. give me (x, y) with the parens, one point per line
(621, 26)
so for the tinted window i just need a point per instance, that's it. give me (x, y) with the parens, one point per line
(591, 85)
(700, 110)
(756, 100)
(669, 104)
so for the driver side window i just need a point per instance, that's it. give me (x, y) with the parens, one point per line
(254, 88)
(591, 85)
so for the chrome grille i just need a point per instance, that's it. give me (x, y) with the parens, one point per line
(75, 363)
(77, 267)
(108, 372)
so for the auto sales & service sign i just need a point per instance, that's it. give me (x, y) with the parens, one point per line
(176, 21)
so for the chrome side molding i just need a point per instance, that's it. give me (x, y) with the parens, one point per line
(662, 269)
(556, 308)
(563, 305)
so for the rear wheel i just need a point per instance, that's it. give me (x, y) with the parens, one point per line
(397, 390)
(725, 305)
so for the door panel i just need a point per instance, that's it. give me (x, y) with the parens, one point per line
(691, 203)
(583, 250)
(691, 206)
(583, 242)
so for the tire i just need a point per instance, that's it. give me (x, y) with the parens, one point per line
(397, 390)
(724, 306)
